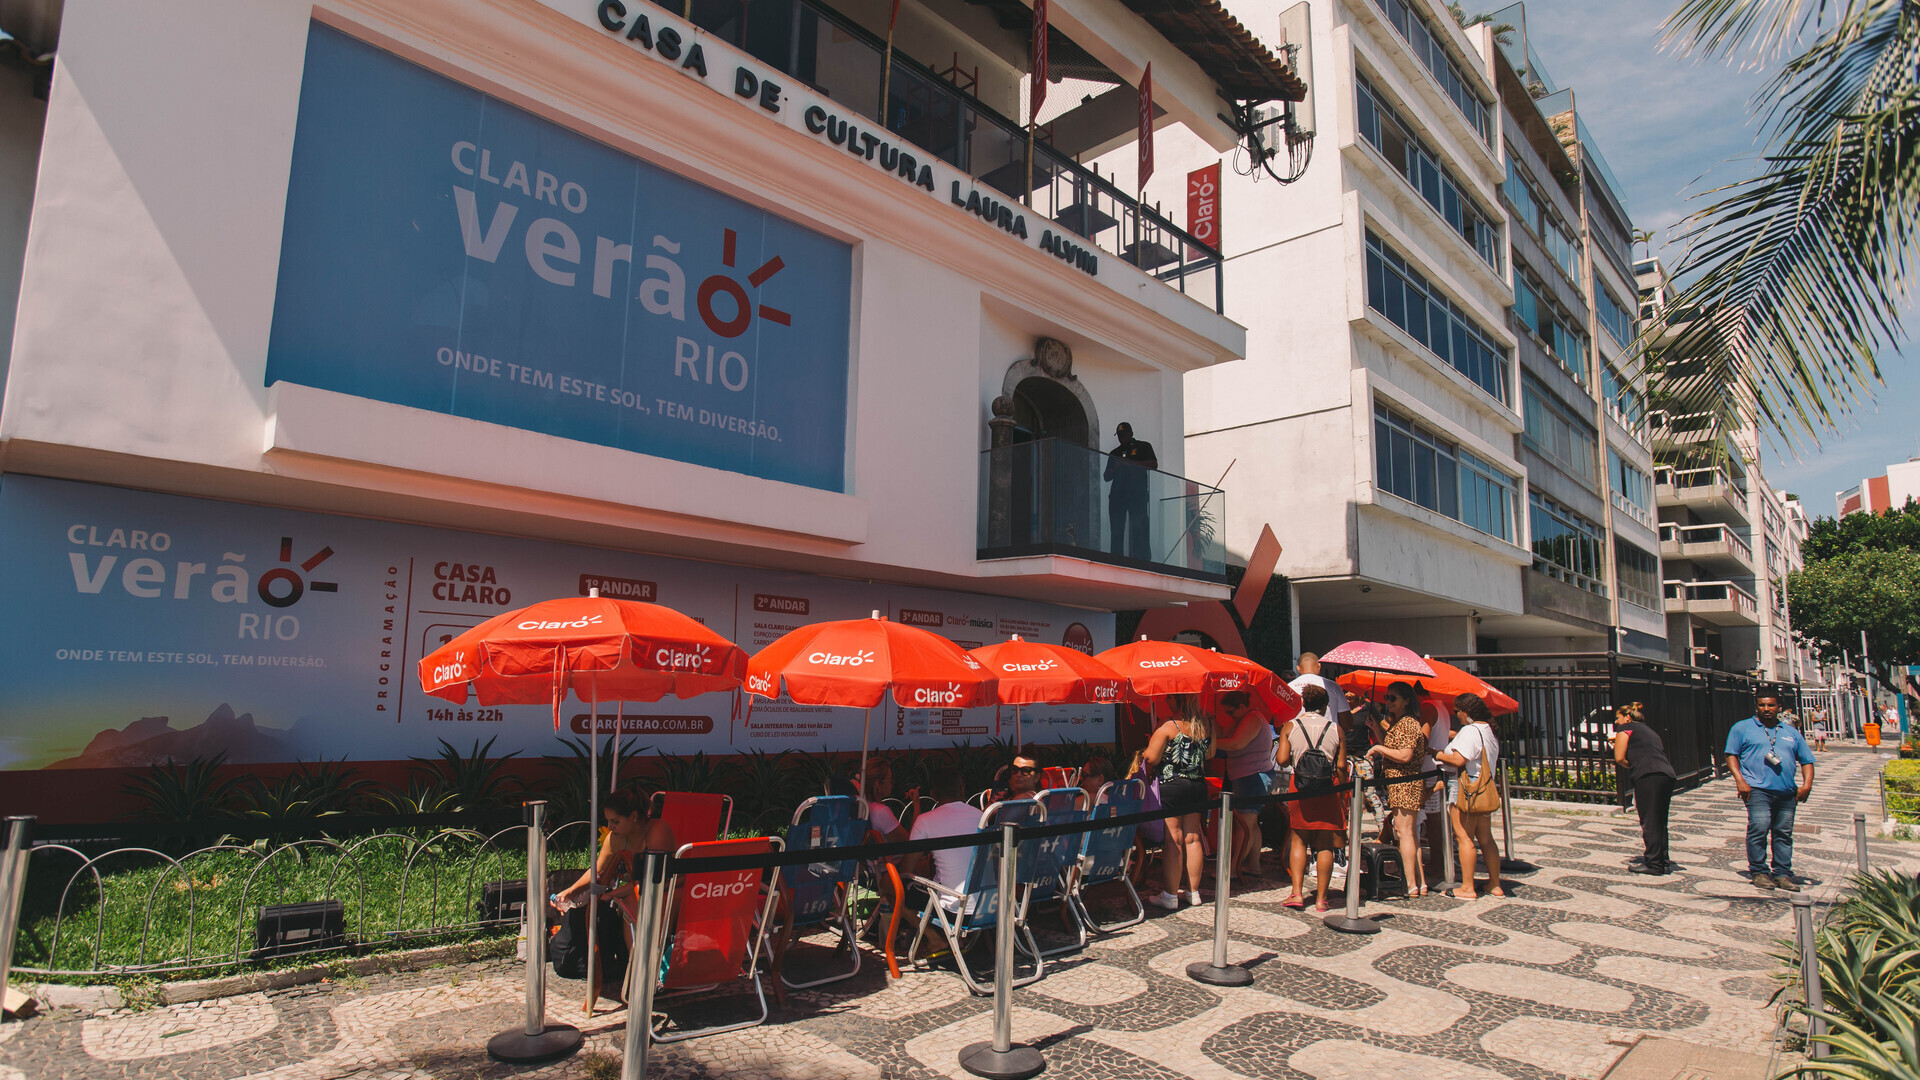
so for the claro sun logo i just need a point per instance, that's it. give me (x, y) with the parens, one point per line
(106, 557)
(743, 308)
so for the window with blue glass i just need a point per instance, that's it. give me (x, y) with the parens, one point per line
(1412, 26)
(1414, 159)
(1402, 294)
(1638, 573)
(1551, 323)
(1558, 433)
(1566, 546)
(1632, 487)
(1531, 208)
(1613, 315)
(1423, 468)
(1627, 404)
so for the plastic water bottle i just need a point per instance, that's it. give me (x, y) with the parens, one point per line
(562, 904)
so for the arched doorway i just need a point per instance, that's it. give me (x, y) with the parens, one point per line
(1044, 409)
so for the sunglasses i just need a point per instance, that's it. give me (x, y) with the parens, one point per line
(1026, 768)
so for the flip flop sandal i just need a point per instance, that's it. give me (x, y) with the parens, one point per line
(1295, 902)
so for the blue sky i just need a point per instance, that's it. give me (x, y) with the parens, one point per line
(1670, 127)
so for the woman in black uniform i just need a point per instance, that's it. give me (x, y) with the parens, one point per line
(1637, 748)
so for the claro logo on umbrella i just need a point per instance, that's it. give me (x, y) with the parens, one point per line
(858, 659)
(927, 695)
(575, 624)
(1044, 665)
(1174, 661)
(695, 659)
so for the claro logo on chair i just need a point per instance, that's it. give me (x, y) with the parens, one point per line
(714, 890)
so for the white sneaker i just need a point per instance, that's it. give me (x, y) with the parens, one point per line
(1193, 898)
(1165, 900)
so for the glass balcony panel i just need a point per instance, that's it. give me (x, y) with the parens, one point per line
(1052, 497)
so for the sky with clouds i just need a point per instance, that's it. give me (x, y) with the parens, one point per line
(1671, 127)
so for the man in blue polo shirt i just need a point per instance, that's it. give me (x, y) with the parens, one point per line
(1764, 756)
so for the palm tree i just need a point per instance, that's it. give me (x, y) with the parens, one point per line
(1793, 278)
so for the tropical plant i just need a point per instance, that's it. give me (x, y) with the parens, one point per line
(477, 780)
(1795, 277)
(568, 791)
(311, 790)
(189, 791)
(818, 773)
(699, 773)
(764, 786)
(422, 795)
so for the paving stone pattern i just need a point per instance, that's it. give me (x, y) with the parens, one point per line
(1556, 980)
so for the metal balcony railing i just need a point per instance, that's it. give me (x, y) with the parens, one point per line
(1053, 497)
(843, 60)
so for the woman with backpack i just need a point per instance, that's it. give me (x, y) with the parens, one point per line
(1474, 750)
(1318, 754)
(1177, 755)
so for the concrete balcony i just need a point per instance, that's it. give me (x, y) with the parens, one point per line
(1710, 493)
(1716, 549)
(1719, 603)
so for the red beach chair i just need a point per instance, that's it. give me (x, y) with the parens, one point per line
(694, 818)
(717, 927)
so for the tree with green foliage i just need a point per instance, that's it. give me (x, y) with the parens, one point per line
(1862, 574)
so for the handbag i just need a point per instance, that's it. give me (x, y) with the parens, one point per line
(1482, 795)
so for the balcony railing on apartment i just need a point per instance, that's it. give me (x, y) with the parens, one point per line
(1697, 541)
(1053, 497)
(1720, 602)
(1705, 483)
(846, 62)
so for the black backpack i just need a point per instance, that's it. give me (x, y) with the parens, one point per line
(567, 949)
(1313, 773)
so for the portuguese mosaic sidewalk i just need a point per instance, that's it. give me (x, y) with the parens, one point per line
(1558, 980)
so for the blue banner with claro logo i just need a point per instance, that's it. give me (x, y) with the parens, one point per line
(448, 251)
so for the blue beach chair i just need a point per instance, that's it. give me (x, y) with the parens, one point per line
(821, 893)
(1056, 860)
(975, 907)
(1108, 853)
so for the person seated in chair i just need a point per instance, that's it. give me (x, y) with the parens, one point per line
(629, 835)
(953, 817)
(1023, 779)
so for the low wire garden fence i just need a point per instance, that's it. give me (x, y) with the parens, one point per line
(111, 907)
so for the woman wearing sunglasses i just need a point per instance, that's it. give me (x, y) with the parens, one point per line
(1402, 750)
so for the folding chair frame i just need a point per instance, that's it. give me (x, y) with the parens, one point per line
(1065, 880)
(663, 941)
(841, 918)
(954, 924)
(1077, 896)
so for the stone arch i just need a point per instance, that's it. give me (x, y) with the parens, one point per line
(1052, 365)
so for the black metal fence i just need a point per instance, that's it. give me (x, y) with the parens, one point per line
(1560, 742)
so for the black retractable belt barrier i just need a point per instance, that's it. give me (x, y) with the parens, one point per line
(537, 1040)
(1219, 972)
(1002, 1058)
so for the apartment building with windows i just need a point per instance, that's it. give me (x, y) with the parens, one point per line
(1373, 424)
(1443, 421)
(1728, 538)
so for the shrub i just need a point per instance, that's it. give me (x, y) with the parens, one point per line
(1869, 953)
(1902, 779)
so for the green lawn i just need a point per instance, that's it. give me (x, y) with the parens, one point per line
(144, 913)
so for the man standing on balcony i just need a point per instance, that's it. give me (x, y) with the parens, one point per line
(1127, 467)
(1764, 756)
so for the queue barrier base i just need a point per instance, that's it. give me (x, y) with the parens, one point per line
(1017, 1062)
(1228, 975)
(1338, 921)
(516, 1047)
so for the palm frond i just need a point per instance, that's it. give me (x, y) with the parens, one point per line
(1794, 279)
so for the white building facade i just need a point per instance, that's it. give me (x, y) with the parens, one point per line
(376, 311)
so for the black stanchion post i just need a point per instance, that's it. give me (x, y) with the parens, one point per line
(644, 969)
(1509, 864)
(1349, 921)
(1860, 840)
(1810, 976)
(1219, 972)
(537, 1040)
(1002, 1058)
(13, 889)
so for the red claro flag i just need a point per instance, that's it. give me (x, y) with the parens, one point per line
(1203, 208)
(1146, 125)
(1039, 59)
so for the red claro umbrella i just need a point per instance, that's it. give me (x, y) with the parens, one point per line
(1158, 668)
(1036, 673)
(1280, 699)
(858, 662)
(613, 650)
(1446, 683)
